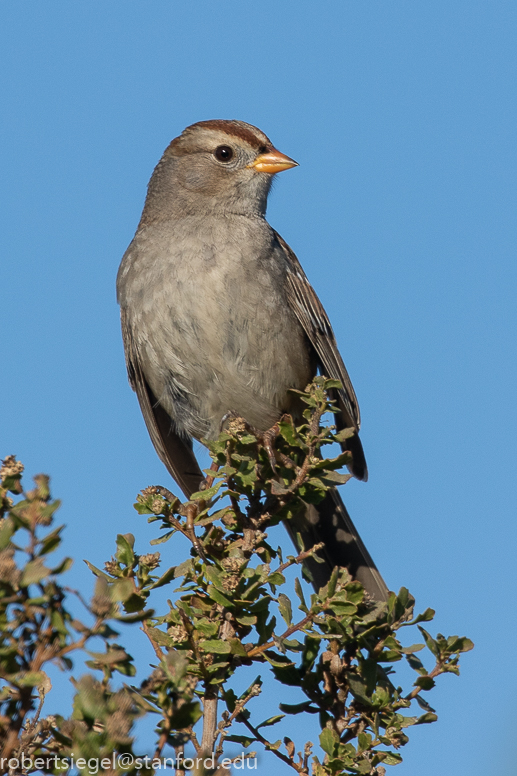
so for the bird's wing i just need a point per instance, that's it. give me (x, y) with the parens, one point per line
(175, 452)
(309, 311)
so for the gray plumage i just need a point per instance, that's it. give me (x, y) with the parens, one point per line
(218, 316)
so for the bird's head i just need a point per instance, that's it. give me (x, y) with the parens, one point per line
(216, 166)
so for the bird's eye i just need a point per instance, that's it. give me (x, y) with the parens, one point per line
(223, 153)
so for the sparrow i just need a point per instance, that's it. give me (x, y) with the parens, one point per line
(219, 317)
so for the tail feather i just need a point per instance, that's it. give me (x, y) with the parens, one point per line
(329, 522)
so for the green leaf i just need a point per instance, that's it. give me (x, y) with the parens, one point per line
(459, 644)
(430, 642)
(135, 603)
(36, 601)
(330, 478)
(247, 439)
(175, 665)
(209, 493)
(276, 578)
(206, 519)
(278, 661)
(288, 674)
(111, 657)
(392, 758)
(7, 530)
(358, 688)
(425, 617)
(122, 589)
(124, 665)
(215, 576)
(344, 434)
(162, 539)
(165, 578)
(298, 708)
(311, 651)
(48, 510)
(98, 572)
(271, 721)
(362, 766)
(216, 645)
(331, 585)
(230, 699)
(426, 718)
(327, 465)
(412, 648)
(244, 740)
(28, 678)
(365, 741)
(299, 592)
(140, 616)
(246, 619)
(407, 721)
(161, 638)
(184, 568)
(144, 703)
(284, 604)
(343, 609)
(425, 682)
(89, 703)
(34, 572)
(65, 564)
(219, 598)
(125, 554)
(206, 627)
(288, 432)
(368, 669)
(329, 741)
(416, 664)
(293, 645)
(51, 541)
(142, 509)
(237, 648)
(423, 704)
(58, 624)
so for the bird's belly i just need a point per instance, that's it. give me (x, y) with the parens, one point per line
(260, 366)
(243, 364)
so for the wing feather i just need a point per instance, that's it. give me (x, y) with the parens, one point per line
(312, 316)
(175, 451)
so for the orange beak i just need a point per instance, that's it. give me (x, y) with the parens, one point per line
(273, 161)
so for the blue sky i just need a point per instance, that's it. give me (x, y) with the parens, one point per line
(402, 116)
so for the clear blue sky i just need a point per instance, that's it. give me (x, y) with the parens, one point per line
(403, 118)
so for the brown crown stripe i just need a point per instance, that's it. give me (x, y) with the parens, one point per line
(233, 128)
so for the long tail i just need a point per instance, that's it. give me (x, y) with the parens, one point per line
(329, 522)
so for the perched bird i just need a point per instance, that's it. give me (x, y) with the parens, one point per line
(218, 316)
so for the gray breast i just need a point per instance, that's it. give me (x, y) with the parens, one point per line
(211, 323)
